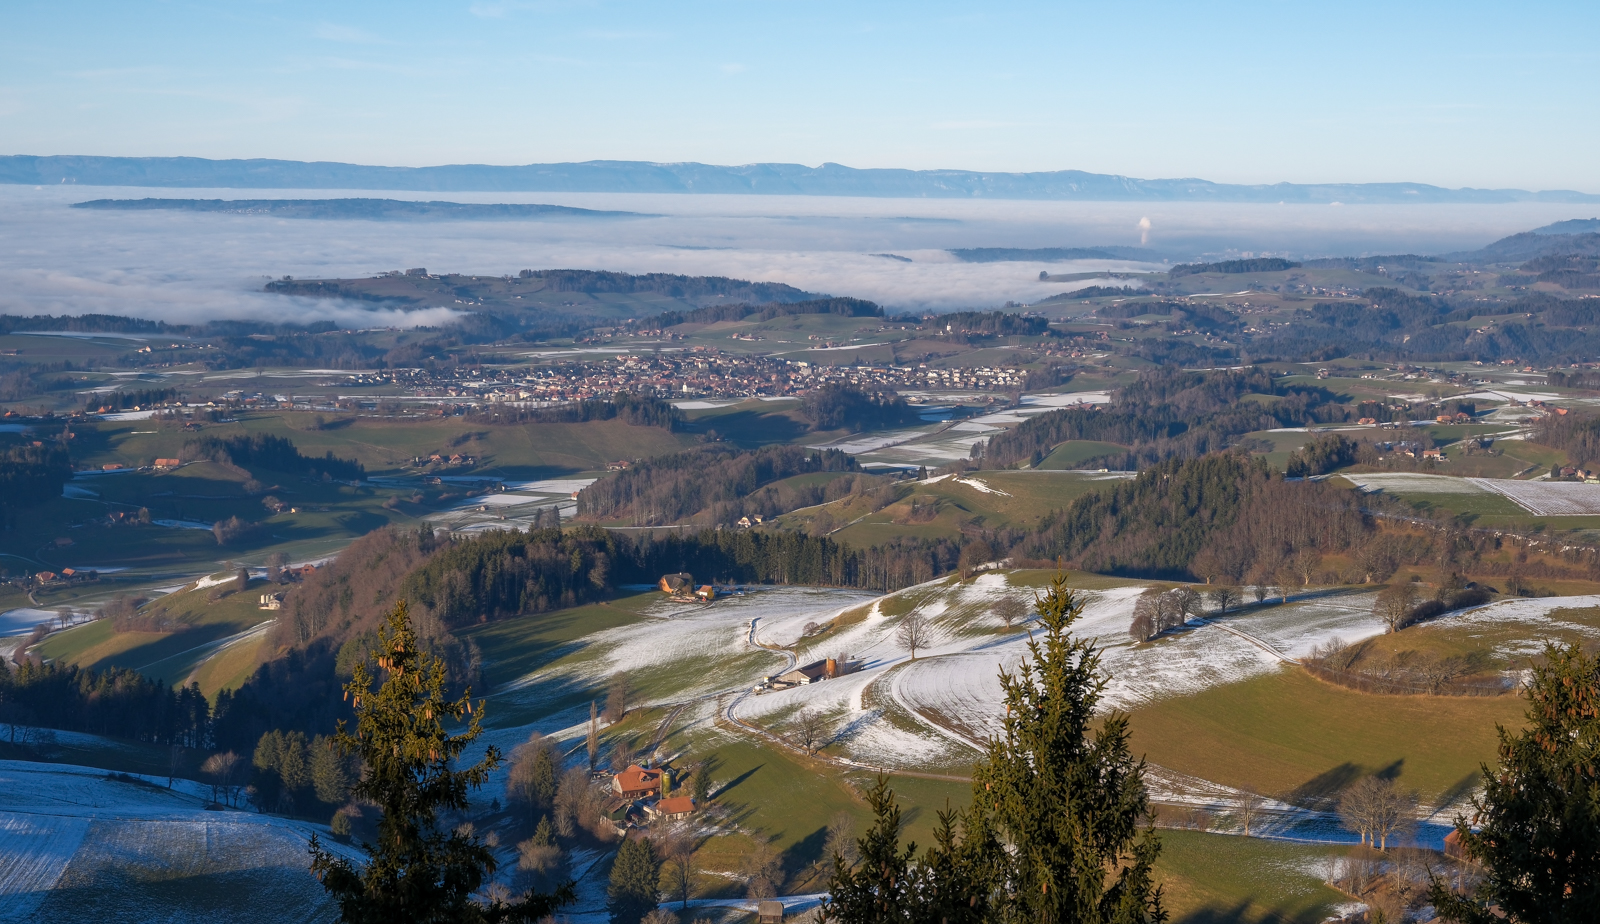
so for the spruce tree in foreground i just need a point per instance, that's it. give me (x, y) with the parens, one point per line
(1053, 833)
(416, 872)
(635, 882)
(1538, 819)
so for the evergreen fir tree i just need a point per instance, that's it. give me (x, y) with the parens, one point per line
(635, 882)
(415, 871)
(330, 772)
(879, 887)
(1052, 834)
(1538, 820)
(1066, 797)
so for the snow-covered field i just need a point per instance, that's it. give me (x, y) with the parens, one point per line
(1549, 498)
(1540, 498)
(76, 845)
(931, 712)
(1406, 482)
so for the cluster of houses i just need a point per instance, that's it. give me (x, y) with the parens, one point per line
(642, 795)
(1412, 449)
(442, 459)
(64, 577)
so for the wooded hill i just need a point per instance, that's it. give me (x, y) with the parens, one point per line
(720, 484)
(1168, 413)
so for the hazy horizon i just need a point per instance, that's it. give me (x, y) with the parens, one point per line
(183, 266)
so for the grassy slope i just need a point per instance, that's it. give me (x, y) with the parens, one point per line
(165, 656)
(385, 444)
(1288, 733)
(1027, 497)
(1215, 877)
(1073, 453)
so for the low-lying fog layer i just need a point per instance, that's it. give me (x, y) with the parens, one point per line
(188, 266)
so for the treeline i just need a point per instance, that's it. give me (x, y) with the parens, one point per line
(118, 702)
(1578, 437)
(1167, 413)
(841, 307)
(671, 284)
(1222, 518)
(1256, 265)
(1397, 325)
(1099, 292)
(265, 450)
(715, 482)
(1583, 378)
(849, 407)
(87, 323)
(122, 400)
(29, 476)
(987, 324)
(633, 409)
(1321, 456)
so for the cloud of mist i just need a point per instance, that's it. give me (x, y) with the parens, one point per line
(184, 266)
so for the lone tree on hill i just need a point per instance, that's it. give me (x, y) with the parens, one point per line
(415, 871)
(1394, 605)
(1011, 611)
(913, 633)
(1537, 823)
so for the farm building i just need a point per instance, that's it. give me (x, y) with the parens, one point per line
(807, 673)
(676, 584)
(636, 783)
(671, 809)
(770, 912)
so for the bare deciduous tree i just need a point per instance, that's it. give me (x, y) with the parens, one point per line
(810, 729)
(616, 698)
(839, 847)
(221, 770)
(592, 741)
(1249, 803)
(1394, 605)
(763, 871)
(1011, 611)
(1224, 598)
(1305, 564)
(913, 633)
(1377, 810)
(677, 846)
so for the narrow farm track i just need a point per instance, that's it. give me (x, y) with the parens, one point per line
(732, 717)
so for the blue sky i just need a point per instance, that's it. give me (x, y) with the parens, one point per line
(1449, 93)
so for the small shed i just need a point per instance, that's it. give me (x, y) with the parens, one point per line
(770, 912)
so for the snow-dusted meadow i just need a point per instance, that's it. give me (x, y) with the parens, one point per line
(76, 844)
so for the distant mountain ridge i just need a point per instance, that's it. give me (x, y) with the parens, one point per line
(359, 209)
(748, 179)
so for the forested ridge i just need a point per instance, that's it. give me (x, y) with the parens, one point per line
(635, 410)
(264, 450)
(719, 484)
(841, 307)
(1168, 413)
(29, 476)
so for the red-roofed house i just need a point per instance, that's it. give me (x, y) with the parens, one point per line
(672, 809)
(637, 783)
